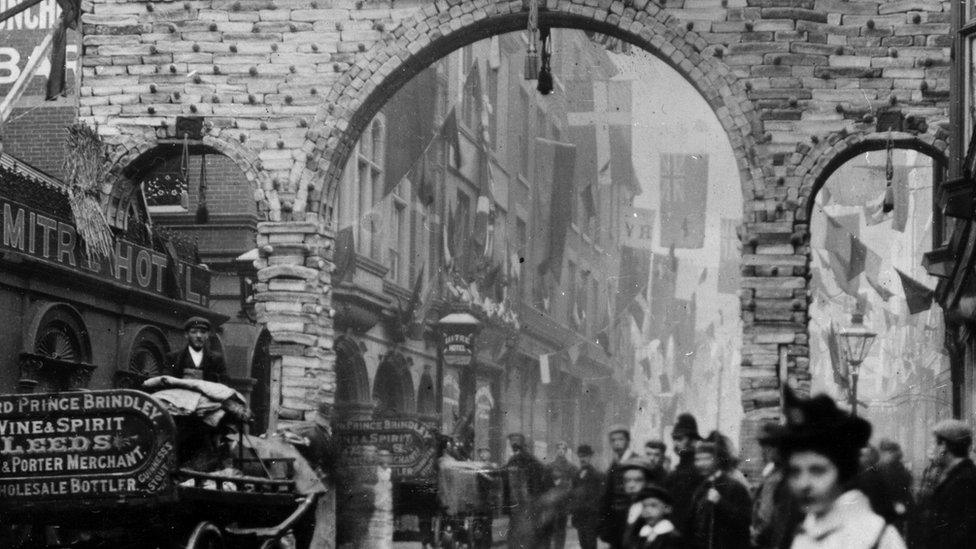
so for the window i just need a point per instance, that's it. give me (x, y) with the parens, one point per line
(167, 189)
(148, 353)
(523, 138)
(541, 124)
(469, 100)
(493, 115)
(464, 210)
(398, 242)
(582, 300)
(571, 293)
(361, 191)
(521, 235)
(968, 86)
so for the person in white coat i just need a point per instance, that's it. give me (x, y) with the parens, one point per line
(821, 447)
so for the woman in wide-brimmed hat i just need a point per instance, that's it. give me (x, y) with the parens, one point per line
(820, 446)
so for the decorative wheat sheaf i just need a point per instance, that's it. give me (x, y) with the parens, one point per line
(86, 166)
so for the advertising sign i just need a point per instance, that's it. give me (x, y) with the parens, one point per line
(458, 349)
(411, 445)
(20, 40)
(83, 446)
(56, 242)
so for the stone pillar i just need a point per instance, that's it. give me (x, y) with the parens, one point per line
(293, 300)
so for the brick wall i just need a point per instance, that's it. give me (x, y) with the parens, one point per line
(36, 136)
(290, 83)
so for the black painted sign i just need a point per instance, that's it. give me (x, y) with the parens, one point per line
(411, 444)
(458, 349)
(56, 242)
(84, 446)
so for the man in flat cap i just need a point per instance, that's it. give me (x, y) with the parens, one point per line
(951, 516)
(196, 360)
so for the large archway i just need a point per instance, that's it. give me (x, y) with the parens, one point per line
(430, 35)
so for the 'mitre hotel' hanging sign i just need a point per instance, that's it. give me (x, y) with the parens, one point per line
(56, 242)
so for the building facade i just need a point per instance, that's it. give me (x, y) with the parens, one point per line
(286, 89)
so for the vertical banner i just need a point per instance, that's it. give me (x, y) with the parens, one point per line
(730, 256)
(544, 374)
(683, 199)
(555, 164)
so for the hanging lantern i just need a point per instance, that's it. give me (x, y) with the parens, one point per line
(889, 197)
(545, 85)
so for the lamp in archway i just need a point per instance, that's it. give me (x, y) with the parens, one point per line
(856, 341)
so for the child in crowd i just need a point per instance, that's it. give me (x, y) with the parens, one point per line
(651, 528)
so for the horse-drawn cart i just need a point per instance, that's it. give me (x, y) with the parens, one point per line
(98, 470)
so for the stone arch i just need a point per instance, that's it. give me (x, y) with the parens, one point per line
(126, 165)
(813, 169)
(438, 30)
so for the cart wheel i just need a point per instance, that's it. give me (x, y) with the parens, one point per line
(205, 536)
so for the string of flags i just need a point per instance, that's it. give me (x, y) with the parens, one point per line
(847, 257)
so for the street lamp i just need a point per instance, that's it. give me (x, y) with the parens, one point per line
(856, 341)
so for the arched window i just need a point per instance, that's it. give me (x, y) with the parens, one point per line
(59, 357)
(61, 335)
(393, 388)
(352, 381)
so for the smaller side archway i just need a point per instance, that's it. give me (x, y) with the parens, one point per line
(427, 396)
(352, 400)
(393, 390)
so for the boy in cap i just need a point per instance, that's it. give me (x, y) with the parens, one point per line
(651, 527)
(587, 491)
(951, 513)
(196, 360)
(821, 447)
(682, 482)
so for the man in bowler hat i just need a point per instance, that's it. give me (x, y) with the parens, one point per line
(685, 479)
(196, 360)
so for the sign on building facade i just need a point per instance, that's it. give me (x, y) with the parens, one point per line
(73, 447)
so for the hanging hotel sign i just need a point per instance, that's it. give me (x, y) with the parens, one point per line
(56, 242)
(410, 443)
(637, 228)
(83, 446)
(458, 331)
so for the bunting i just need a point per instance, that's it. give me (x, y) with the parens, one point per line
(450, 133)
(859, 253)
(872, 272)
(544, 373)
(918, 297)
(730, 256)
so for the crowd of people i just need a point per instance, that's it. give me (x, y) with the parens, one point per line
(823, 486)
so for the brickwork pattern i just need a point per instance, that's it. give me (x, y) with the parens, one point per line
(286, 85)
